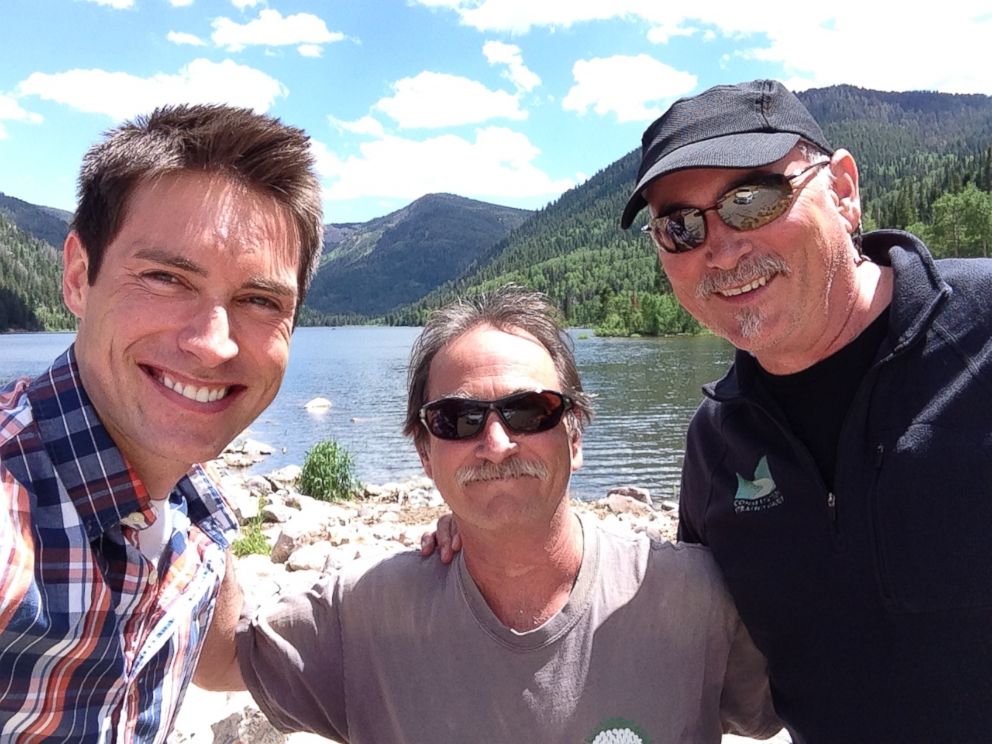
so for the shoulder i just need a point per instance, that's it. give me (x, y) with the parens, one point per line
(690, 563)
(663, 564)
(400, 577)
(15, 409)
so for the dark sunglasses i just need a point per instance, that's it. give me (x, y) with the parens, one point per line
(744, 207)
(524, 413)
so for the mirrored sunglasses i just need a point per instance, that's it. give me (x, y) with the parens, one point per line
(747, 206)
(523, 413)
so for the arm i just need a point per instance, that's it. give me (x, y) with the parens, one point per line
(218, 668)
(746, 702)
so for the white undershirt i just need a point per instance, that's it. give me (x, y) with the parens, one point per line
(153, 539)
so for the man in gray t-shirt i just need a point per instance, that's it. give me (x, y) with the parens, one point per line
(545, 628)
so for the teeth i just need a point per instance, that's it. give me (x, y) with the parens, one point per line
(199, 394)
(733, 292)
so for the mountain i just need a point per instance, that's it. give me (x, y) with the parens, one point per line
(30, 282)
(912, 149)
(44, 223)
(925, 160)
(371, 268)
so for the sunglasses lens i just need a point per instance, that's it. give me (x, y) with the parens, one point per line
(751, 206)
(684, 230)
(523, 413)
(454, 418)
(532, 412)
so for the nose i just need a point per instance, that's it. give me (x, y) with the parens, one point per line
(495, 443)
(724, 246)
(208, 337)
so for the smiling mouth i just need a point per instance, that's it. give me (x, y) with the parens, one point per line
(199, 393)
(744, 289)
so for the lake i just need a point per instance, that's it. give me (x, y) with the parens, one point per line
(645, 389)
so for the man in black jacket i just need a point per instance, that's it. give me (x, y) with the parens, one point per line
(840, 472)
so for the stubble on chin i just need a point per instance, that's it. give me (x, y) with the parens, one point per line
(749, 323)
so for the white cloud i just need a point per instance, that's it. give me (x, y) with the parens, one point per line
(11, 110)
(616, 85)
(242, 4)
(115, 4)
(519, 16)
(434, 99)
(950, 48)
(310, 50)
(179, 37)
(271, 28)
(121, 95)
(815, 44)
(499, 53)
(496, 165)
(367, 125)
(180, 3)
(665, 32)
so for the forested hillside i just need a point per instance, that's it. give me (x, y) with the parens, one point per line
(925, 160)
(926, 165)
(372, 268)
(30, 283)
(44, 223)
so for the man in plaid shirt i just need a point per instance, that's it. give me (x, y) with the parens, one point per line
(190, 252)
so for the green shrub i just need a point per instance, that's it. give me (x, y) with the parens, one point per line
(252, 541)
(328, 473)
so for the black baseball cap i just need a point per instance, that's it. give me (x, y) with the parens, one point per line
(728, 126)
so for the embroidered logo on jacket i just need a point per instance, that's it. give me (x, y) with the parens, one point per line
(758, 494)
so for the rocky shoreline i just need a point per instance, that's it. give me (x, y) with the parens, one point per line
(304, 537)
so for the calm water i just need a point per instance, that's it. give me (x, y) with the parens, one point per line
(646, 390)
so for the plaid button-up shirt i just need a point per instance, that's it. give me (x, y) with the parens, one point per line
(97, 643)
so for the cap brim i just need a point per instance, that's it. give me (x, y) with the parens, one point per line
(748, 150)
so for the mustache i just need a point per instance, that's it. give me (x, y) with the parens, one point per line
(512, 468)
(747, 270)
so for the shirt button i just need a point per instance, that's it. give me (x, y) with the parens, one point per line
(152, 577)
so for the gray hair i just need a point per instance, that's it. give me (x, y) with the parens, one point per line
(508, 308)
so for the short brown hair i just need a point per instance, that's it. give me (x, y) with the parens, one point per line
(255, 150)
(508, 308)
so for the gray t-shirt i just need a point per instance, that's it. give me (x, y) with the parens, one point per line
(648, 648)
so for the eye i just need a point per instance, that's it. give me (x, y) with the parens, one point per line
(163, 277)
(261, 301)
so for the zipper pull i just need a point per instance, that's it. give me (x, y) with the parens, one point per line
(832, 506)
(879, 454)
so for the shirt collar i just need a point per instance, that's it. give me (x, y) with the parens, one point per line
(97, 478)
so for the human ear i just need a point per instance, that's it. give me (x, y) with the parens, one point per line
(845, 189)
(75, 274)
(425, 459)
(575, 447)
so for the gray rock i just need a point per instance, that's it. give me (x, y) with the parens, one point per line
(640, 494)
(619, 503)
(309, 558)
(247, 725)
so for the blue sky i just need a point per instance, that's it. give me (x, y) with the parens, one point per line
(509, 101)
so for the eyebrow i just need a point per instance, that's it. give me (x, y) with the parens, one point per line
(167, 258)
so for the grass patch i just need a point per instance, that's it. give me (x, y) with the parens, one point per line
(252, 540)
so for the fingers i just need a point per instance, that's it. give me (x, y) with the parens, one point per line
(427, 543)
(445, 539)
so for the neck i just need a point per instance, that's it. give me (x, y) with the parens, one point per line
(854, 304)
(526, 576)
(158, 479)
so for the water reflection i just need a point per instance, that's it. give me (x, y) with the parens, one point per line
(645, 392)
